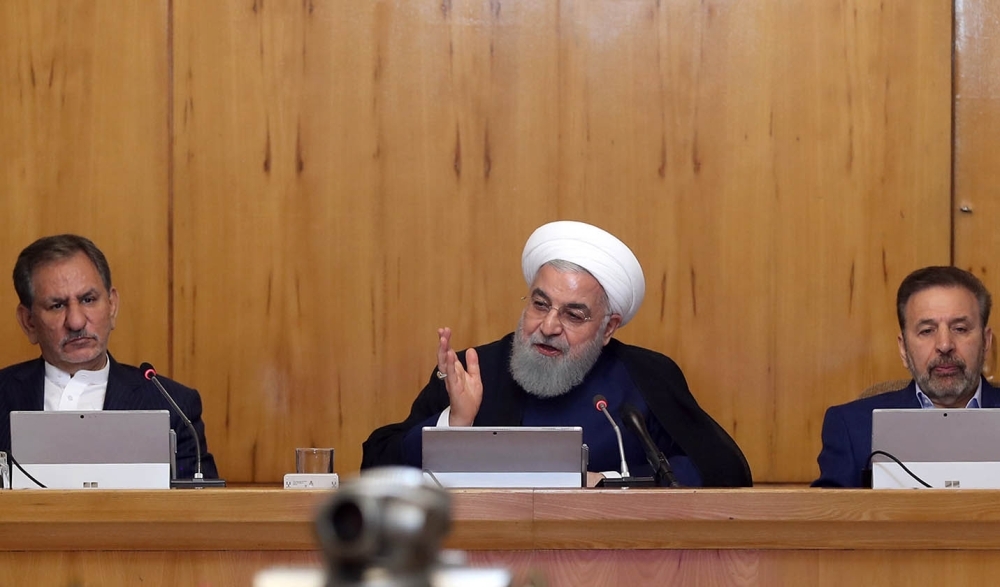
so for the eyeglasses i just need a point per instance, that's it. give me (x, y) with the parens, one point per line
(569, 316)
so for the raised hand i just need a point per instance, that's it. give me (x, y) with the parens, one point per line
(465, 386)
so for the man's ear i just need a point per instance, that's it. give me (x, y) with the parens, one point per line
(613, 323)
(113, 302)
(27, 322)
(902, 350)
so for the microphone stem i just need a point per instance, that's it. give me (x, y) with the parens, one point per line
(184, 418)
(621, 447)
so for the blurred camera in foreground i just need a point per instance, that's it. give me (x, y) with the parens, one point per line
(387, 522)
(385, 529)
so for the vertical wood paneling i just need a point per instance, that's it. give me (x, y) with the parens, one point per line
(817, 146)
(977, 144)
(83, 148)
(351, 176)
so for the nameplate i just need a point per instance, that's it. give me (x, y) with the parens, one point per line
(312, 481)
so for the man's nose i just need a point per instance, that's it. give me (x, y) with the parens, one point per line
(944, 343)
(76, 318)
(551, 324)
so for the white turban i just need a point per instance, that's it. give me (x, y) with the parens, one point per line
(608, 259)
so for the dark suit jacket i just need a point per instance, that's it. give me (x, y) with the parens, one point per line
(22, 387)
(847, 433)
(719, 460)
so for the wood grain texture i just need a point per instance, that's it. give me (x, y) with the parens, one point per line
(560, 537)
(150, 569)
(83, 108)
(738, 568)
(542, 568)
(352, 176)
(977, 142)
(324, 183)
(284, 520)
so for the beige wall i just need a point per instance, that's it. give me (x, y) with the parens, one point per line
(294, 195)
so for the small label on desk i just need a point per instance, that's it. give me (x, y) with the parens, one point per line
(312, 481)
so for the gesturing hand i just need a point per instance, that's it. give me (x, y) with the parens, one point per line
(465, 386)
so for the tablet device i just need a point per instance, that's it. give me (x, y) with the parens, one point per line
(947, 448)
(519, 456)
(91, 449)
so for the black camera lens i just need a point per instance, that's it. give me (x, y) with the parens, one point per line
(347, 521)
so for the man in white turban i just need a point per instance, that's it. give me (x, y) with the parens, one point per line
(583, 284)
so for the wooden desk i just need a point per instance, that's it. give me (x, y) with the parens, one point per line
(571, 537)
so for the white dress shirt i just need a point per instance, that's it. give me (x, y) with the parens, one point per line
(83, 391)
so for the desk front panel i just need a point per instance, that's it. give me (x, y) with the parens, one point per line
(569, 537)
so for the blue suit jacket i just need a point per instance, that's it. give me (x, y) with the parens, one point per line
(847, 433)
(22, 387)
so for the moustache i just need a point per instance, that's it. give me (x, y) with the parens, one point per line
(552, 341)
(77, 336)
(947, 362)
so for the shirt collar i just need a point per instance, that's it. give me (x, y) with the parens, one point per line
(61, 378)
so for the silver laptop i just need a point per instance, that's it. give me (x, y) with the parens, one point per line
(946, 448)
(519, 456)
(91, 449)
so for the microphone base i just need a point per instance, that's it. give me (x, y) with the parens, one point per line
(626, 482)
(197, 483)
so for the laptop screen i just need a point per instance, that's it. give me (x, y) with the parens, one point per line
(520, 456)
(100, 449)
(947, 448)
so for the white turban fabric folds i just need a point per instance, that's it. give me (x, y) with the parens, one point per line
(608, 259)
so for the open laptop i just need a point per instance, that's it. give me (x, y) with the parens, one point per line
(91, 449)
(519, 456)
(957, 448)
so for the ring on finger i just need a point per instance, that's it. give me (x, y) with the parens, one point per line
(441, 375)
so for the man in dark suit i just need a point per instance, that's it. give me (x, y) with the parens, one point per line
(68, 307)
(583, 285)
(943, 314)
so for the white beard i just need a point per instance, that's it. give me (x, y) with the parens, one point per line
(547, 377)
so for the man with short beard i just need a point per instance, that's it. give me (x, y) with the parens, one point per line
(943, 339)
(583, 284)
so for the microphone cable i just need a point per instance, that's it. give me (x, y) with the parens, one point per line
(21, 469)
(868, 466)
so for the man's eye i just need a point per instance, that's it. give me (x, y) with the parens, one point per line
(575, 316)
(540, 306)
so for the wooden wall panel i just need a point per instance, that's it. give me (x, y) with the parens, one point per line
(976, 204)
(349, 176)
(83, 148)
(818, 147)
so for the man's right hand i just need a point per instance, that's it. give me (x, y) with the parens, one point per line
(465, 386)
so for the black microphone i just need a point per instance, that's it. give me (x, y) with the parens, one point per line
(602, 406)
(633, 420)
(199, 480)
